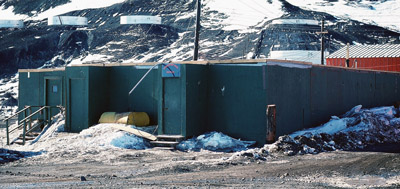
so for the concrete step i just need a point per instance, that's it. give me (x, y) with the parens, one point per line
(170, 137)
(164, 148)
(166, 143)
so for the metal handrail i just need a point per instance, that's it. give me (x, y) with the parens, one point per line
(28, 119)
(34, 113)
(17, 113)
(24, 121)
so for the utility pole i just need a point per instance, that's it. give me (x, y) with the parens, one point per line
(197, 32)
(322, 33)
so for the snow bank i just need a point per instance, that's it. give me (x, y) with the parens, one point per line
(214, 141)
(100, 142)
(355, 130)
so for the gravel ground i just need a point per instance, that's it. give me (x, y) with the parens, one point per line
(155, 168)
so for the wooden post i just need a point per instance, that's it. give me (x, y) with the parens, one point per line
(322, 33)
(271, 123)
(197, 32)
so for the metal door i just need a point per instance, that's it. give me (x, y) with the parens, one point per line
(172, 111)
(53, 94)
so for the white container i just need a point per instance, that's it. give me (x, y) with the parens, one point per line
(11, 24)
(140, 19)
(298, 55)
(67, 21)
(296, 22)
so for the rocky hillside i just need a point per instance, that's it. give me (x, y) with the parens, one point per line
(104, 39)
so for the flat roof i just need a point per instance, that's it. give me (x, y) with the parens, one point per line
(201, 62)
(42, 70)
(208, 62)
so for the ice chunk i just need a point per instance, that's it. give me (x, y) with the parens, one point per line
(353, 111)
(130, 141)
(214, 141)
(388, 111)
(333, 126)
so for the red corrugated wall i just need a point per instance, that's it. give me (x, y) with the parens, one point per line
(381, 63)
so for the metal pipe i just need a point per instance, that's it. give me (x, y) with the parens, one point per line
(141, 79)
(17, 113)
(30, 119)
(34, 113)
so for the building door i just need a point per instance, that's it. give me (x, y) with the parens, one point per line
(77, 111)
(172, 107)
(53, 94)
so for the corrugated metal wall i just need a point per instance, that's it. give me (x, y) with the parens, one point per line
(377, 63)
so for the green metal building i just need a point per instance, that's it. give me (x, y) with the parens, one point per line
(190, 98)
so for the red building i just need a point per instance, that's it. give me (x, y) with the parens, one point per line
(373, 57)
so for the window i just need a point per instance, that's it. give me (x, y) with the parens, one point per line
(55, 88)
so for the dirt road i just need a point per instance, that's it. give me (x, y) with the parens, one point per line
(163, 169)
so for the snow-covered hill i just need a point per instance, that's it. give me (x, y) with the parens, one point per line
(384, 13)
(233, 29)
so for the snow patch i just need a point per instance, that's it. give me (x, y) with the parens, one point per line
(380, 13)
(242, 14)
(91, 58)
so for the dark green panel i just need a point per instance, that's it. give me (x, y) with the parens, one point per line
(28, 89)
(98, 93)
(327, 94)
(78, 109)
(385, 89)
(289, 89)
(143, 99)
(77, 98)
(196, 99)
(364, 83)
(237, 101)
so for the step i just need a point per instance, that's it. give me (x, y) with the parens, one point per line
(163, 148)
(33, 134)
(27, 138)
(18, 142)
(176, 137)
(169, 143)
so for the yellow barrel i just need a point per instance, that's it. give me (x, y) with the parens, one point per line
(139, 119)
(107, 117)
